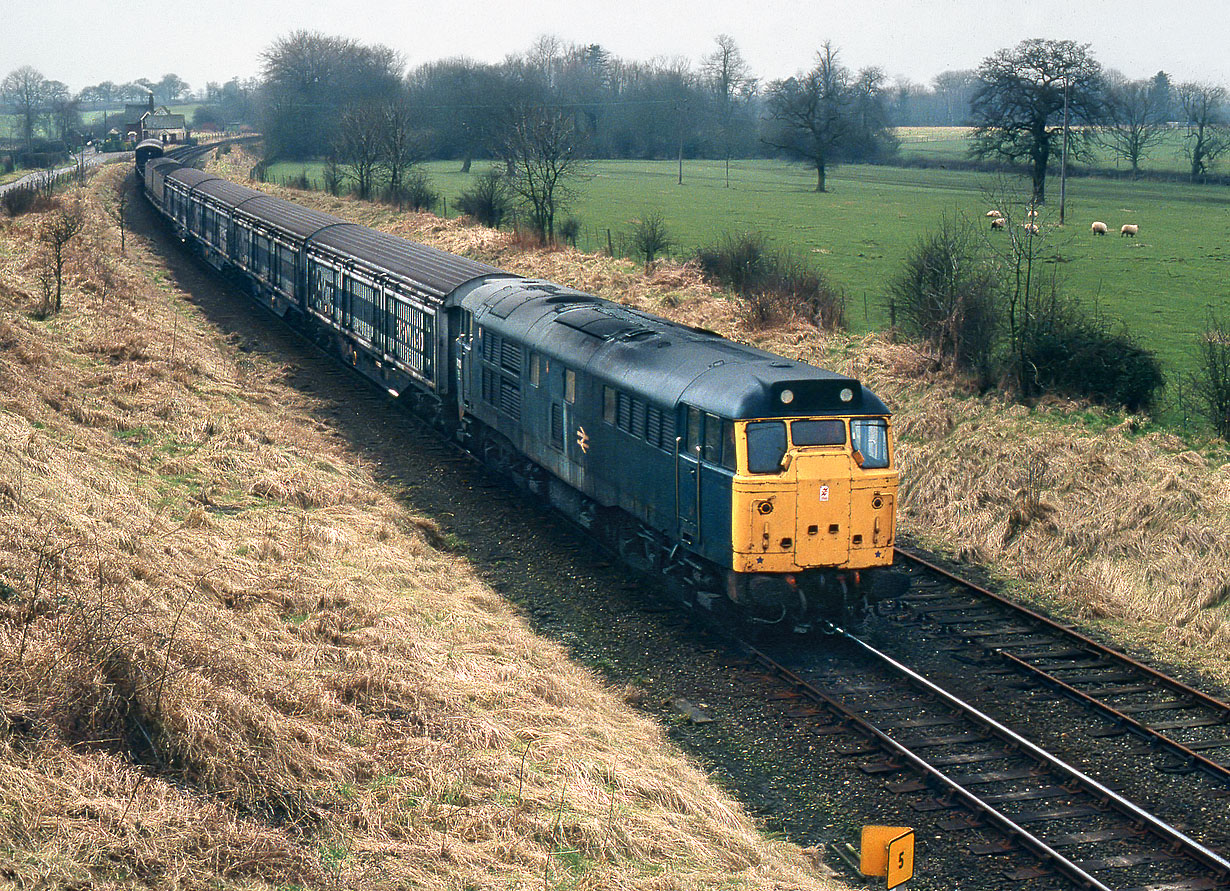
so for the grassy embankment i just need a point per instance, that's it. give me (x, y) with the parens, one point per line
(230, 659)
(1091, 519)
(1160, 285)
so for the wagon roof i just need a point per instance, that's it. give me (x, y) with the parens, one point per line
(226, 192)
(190, 176)
(293, 219)
(430, 270)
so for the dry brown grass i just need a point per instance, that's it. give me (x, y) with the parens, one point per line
(229, 659)
(1101, 524)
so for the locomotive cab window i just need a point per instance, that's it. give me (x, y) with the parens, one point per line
(693, 443)
(766, 446)
(869, 436)
(535, 370)
(608, 404)
(728, 444)
(818, 433)
(714, 439)
(570, 386)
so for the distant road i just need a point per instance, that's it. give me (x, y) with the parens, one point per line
(92, 159)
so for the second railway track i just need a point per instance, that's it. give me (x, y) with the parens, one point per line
(951, 758)
(1126, 695)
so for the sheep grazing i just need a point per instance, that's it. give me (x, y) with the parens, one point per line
(998, 223)
(994, 214)
(1031, 228)
(1098, 227)
(1129, 229)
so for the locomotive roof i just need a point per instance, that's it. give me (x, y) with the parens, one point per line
(662, 361)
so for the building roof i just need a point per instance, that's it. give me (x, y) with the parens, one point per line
(163, 122)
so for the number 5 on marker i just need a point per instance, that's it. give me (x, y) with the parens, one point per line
(900, 859)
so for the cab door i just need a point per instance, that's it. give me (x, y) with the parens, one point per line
(687, 475)
(460, 327)
(822, 510)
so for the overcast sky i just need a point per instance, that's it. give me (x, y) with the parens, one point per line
(83, 43)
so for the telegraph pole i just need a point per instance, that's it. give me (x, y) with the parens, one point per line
(1063, 164)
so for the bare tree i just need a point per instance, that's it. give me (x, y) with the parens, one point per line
(1018, 107)
(310, 78)
(948, 292)
(487, 199)
(954, 89)
(543, 157)
(56, 231)
(359, 146)
(1204, 110)
(812, 112)
(119, 210)
(60, 110)
(1134, 120)
(170, 87)
(25, 89)
(400, 146)
(1019, 257)
(730, 77)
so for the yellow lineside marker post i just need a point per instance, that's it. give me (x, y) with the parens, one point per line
(887, 851)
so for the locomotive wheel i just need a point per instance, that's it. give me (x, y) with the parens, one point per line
(638, 550)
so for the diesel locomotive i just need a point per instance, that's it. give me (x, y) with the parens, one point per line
(756, 484)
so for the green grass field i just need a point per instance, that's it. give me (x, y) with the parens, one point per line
(940, 144)
(1161, 285)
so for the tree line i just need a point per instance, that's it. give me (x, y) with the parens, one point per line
(1024, 103)
(664, 108)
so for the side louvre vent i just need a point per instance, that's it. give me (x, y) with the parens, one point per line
(510, 399)
(653, 427)
(510, 357)
(557, 426)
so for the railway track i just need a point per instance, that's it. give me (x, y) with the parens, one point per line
(1191, 727)
(1072, 825)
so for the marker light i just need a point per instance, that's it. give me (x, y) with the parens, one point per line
(846, 395)
(787, 397)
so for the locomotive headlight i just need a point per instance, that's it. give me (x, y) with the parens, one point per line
(765, 507)
(846, 395)
(877, 503)
(787, 397)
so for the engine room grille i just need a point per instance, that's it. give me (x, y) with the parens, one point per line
(557, 426)
(501, 374)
